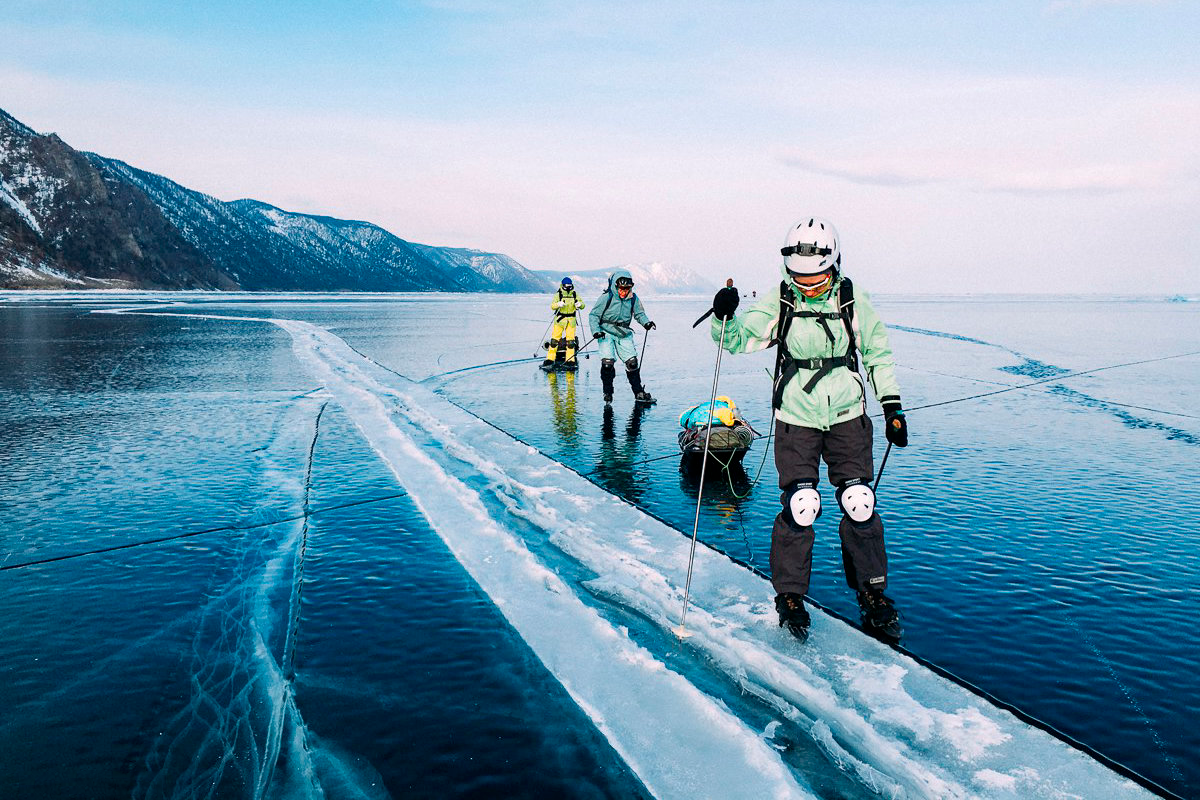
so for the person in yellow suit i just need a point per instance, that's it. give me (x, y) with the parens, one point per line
(562, 334)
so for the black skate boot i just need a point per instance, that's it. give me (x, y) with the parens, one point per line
(879, 615)
(640, 395)
(792, 614)
(548, 364)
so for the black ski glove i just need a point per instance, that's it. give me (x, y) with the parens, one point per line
(650, 325)
(599, 335)
(725, 302)
(895, 427)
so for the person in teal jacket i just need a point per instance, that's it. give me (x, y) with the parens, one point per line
(823, 327)
(611, 320)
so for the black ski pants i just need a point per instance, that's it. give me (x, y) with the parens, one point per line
(608, 373)
(846, 449)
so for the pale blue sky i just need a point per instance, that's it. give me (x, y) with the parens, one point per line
(971, 146)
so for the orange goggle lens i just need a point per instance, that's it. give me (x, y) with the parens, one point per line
(815, 289)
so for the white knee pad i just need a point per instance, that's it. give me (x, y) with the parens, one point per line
(803, 503)
(857, 501)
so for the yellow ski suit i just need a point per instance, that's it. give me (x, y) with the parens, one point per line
(562, 333)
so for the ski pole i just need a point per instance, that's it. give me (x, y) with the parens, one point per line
(538, 349)
(579, 323)
(585, 346)
(681, 631)
(642, 360)
(882, 464)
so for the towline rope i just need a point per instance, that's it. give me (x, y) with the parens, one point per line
(190, 534)
(1065, 376)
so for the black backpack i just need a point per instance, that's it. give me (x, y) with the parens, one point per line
(563, 296)
(786, 367)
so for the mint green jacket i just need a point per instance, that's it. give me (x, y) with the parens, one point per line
(840, 395)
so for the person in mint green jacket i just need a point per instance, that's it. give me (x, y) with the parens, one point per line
(823, 329)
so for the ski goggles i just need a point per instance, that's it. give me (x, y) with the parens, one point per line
(624, 283)
(813, 289)
(805, 249)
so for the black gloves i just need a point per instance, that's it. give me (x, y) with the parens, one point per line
(599, 335)
(725, 302)
(650, 325)
(894, 425)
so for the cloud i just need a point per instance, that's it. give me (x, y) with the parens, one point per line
(1020, 135)
(1066, 6)
(868, 172)
(965, 172)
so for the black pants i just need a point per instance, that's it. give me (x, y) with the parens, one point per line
(846, 449)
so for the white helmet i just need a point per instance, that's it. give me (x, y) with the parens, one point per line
(812, 247)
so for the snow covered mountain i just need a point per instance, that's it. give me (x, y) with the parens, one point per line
(62, 224)
(479, 271)
(79, 220)
(649, 279)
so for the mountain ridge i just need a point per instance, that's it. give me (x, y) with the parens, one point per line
(74, 219)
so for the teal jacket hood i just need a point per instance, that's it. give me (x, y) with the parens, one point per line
(612, 279)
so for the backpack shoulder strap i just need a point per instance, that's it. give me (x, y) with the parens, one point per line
(607, 303)
(785, 315)
(781, 376)
(846, 309)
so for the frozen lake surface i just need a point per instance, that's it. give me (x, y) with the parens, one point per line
(479, 600)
